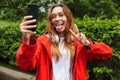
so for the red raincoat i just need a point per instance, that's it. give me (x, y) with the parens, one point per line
(39, 56)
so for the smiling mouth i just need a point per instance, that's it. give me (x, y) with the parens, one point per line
(59, 26)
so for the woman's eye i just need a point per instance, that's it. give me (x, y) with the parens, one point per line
(53, 16)
(61, 15)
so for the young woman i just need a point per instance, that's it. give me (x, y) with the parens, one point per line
(61, 53)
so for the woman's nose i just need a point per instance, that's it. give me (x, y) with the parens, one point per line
(57, 18)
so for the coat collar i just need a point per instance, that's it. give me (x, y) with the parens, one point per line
(45, 41)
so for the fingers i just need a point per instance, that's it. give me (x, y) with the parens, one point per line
(27, 22)
(84, 40)
(27, 31)
(81, 37)
(25, 25)
(26, 18)
(75, 35)
(76, 28)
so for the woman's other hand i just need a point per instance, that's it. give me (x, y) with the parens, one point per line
(81, 37)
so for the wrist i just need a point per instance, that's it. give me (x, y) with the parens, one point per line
(26, 38)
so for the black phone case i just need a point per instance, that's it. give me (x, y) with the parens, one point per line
(33, 10)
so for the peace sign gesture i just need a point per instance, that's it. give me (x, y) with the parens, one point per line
(81, 37)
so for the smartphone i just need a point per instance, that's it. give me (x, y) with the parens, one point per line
(33, 10)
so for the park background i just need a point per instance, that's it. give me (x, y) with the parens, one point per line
(98, 19)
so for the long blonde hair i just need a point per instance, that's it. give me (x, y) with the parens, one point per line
(68, 40)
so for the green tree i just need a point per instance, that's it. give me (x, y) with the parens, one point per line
(16, 9)
(92, 8)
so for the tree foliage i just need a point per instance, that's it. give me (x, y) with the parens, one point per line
(16, 9)
(92, 8)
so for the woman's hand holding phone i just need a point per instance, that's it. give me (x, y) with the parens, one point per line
(24, 27)
(29, 22)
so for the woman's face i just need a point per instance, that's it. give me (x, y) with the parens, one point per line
(59, 19)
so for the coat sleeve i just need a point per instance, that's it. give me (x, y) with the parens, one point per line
(25, 56)
(99, 51)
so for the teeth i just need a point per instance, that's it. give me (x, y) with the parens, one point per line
(60, 23)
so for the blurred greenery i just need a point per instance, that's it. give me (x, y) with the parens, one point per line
(15, 9)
